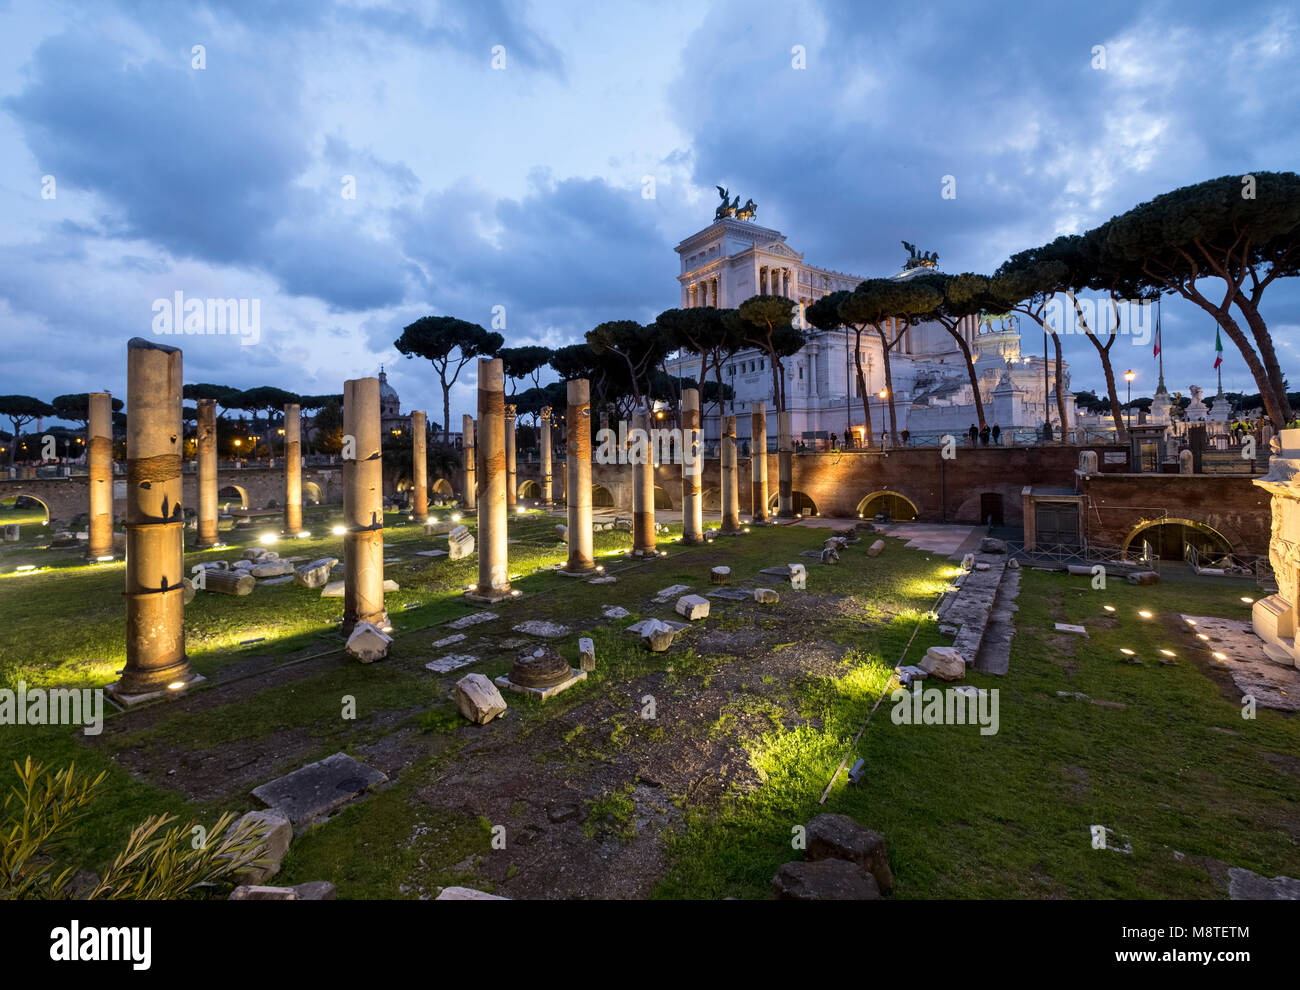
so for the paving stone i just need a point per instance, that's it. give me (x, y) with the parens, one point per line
(448, 641)
(639, 627)
(286, 579)
(314, 791)
(673, 591)
(1243, 885)
(730, 594)
(466, 894)
(603, 579)
(824, 880)
(473, 619)
(431, 553)
(546, 630)
(1067, 627)
(615, 612)
(453, 661)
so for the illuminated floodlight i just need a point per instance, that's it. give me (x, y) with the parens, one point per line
(1125, 651)
(1219, 656)
(1144, 613)
(268, 537)
(102, 560)
(1168, 653)
(1248, 601)
(176, 686)
(455, 517)
(1202, 637)
(1109, 608)
(339, 530)
(1190, 622)
(514, 592)
(304, 535)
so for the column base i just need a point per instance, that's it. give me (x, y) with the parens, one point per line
(645, 554)
(128, 700)
(588, 572)
(493, 597)
(578, 676)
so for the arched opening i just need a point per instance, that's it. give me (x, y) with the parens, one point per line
(230, 494)
(442, 487)
(711, 500)
(311, 493)
(601, 497)
(1169, 539)
(23, 510)
(799, 502)
(530, 489)
(895, 507)
(662, 499)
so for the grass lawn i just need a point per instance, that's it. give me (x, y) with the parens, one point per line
(766, 702)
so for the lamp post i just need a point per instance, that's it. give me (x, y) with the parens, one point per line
(1128, 377)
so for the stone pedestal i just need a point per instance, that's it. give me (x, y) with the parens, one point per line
(155, 524)
(292, 469)
(758, 462)
(785, 468)
(730, 478)
(363, 507)
(493, 512)
(419, 467)
(1161, 403)
(581, 562)
(692, 469)
(1274, 618)
(99, 462)
(512, 475)
(469, 463)
(643, 489)
(207, 473)
(544, 446)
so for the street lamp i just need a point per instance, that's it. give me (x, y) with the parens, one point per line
(1128, 377)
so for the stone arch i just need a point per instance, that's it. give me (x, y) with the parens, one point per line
(19, 509)
(1169, 536)
(312, 494)
(228, 493)
(711, 500)
(801, 502)
(442, 487)
(601, 497)
(899, 506)
(662, 499)
(530, 489)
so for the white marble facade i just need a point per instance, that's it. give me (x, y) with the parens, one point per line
(731, 260)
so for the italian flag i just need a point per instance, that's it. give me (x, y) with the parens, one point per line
(1218, 347)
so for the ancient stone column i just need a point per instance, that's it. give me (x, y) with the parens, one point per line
(207, 413)
(758, 461)
(577, 488)
(544, 445)
(692, 469)
(493, 513)
(155, 522)
(419, 467)
(784, 468)
(469, 500)
(292, 469)
(99, 461)
(512, 493)
(363, 506)
(730, 478)
(643, 489)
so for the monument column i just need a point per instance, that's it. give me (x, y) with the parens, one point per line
(292, 469)
(512, 492)
(99, 462)
(758, 461)
(470, 459)
(419, 466)
(493, 514)
(643, 490)
(692, 469)
(544, 445)
(784, 468)
(730, 478)
(577, 487)
(155, 524)
(363, 506)
(1274, 617)
(207, 413)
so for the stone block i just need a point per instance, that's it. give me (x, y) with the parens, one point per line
(459, 543)
(991, 544)
(830, 555)
(546, 630)
(453, 661)
(615, 612)
(278, 833)
(312, 792)
(657, 636)
(693, 607)
(798, 577)
(334, 589)
(766, 596)
(586, 653)
(875, 548)
(368, 642)
(438, 528)
(840, 837)
(1144, 577)
(312, 890)
(271, 569)
(720, 575)
(466, 894)
(315, 574)
(256, 553)
(562, 532)
(673, 591)
(824, 880)
(944, 662)
(478, 699)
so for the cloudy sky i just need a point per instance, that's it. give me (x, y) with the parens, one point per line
(130, 173)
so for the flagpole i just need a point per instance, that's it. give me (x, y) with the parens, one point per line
(1160, 349)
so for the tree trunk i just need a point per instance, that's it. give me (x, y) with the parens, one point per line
(1267, 355)
(777, 391)
(1060, 388)
(970, 371)
(889, 388)
(862, 385)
